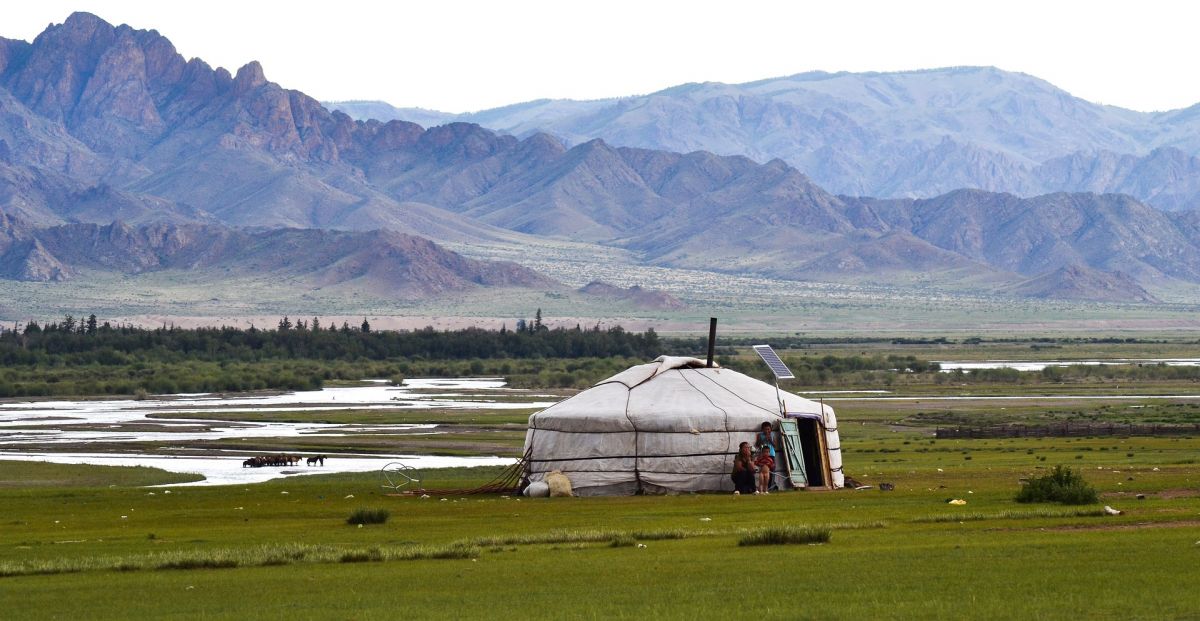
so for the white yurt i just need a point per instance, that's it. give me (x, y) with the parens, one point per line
(674, 425)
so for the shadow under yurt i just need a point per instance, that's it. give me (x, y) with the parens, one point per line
(674, 425)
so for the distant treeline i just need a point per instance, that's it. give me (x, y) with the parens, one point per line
(87, 357)
(72, 342)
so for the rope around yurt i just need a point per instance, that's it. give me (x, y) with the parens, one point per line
(507, 482)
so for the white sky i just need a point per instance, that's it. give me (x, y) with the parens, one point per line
(459, 55)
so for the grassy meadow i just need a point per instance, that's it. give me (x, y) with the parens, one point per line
(95, 542)
(81, 547)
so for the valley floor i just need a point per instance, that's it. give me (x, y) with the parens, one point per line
(93, 542)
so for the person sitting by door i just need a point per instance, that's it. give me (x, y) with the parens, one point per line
(766, 465)
(743, 470)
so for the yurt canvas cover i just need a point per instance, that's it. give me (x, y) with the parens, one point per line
(669, 426)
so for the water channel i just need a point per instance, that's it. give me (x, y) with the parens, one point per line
(27, 428)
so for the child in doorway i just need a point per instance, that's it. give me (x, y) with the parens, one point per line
(766, 464)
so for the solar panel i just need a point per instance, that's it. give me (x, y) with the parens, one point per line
(772, 359)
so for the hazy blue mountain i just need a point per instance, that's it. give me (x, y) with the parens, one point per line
(383, 111)
(903, 134)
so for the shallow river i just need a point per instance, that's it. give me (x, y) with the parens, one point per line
(79, 423)
(1038, 365)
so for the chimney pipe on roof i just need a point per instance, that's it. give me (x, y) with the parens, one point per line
(712, 340)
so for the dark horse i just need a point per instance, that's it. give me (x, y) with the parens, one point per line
(316, 460)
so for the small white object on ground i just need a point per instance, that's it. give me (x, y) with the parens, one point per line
(1111, 511)
(705, 519)
(641, 545)
(538, 489)
(349, 496)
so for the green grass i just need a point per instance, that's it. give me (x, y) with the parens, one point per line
(226, 558)
(783, 535)
(251, 550)
(30, 474)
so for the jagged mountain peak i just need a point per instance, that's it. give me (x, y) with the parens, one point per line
(249, 76)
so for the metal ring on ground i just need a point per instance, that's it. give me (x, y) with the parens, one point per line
(397, 475)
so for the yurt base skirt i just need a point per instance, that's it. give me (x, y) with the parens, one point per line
(628, 484)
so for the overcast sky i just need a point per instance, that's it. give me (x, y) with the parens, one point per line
(456, 56)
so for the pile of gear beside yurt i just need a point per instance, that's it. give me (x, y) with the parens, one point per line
(674, 425)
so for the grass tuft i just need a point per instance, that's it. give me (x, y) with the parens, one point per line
(362, 556)
(622, 541)
(369, 516)
(1009, 515)
(261, 556)
(782, 535)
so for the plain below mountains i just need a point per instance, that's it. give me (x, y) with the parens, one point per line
(101, 123)
(902, 134)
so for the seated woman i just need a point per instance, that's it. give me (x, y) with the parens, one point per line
(765, 464)
(743, 470)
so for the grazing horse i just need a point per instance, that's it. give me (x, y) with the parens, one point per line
(315, 460)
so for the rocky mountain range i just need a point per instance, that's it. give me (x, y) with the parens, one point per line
(381, 262)
(903, 134)
(102, 123)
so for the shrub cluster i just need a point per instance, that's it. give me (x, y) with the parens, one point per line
(1061, 485)
(369, 516)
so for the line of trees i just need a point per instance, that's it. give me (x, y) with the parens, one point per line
(73, 342)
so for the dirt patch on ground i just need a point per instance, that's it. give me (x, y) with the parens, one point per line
(1137, 526)
(1167, 494)
(1172, 494)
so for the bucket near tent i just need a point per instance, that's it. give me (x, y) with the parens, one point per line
(674, 425)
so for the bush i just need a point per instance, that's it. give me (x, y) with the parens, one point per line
(1061, 485)
(779, 535)
(369, 516)
(622, 541)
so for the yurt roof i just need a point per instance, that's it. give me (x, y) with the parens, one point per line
(673, 394)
